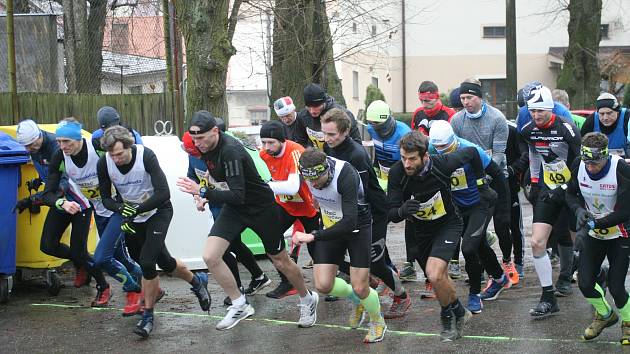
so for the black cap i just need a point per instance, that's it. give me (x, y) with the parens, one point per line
(220, 123)
(314, 95)
(470, 89)
(454, 99)
(273, 129)
(107, 116)
(202, 119)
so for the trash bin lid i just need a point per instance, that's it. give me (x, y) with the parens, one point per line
(12, 152)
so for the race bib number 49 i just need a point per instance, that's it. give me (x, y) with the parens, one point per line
(556, 174)
(432, 209)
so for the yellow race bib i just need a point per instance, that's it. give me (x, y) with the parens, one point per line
(290, 198)
(556, 174)
(432, 209)
(458, 180)
(330, 217)
(91, 192)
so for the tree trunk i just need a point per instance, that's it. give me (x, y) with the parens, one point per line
(302, 50)
(69, 45)
(580, 75)
(204, 25)
(95, 25)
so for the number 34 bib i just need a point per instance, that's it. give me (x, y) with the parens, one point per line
(432, 209)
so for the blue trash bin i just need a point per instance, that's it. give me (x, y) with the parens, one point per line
(12, 155)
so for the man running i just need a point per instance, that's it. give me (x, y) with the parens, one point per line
(247, 202)
(419, 189)
(294, 200)
(553, 142)
(346, 219)
(73, 208)
(474, 199)
(600, 198)
(143, 199)
(336, 127)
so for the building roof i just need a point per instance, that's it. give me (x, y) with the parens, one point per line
(132, 64)
(604, 51)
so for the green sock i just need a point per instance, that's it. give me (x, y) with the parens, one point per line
(354, 298)
(372, 306)
(625, 311)
(341, 288)
(599, 303)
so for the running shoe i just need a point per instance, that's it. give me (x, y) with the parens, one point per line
(144, 326)
(625, 333)
(428, 290)
(544, 309)
(454, 271)
(228, 302)
(563, 288)
(475, 305)
(331, 298)
(256, 285)
(520, 269)
(449, 331)
(235, 315)
(512, 273)
(598, 325)
(376, 332)
(308, 312)
(357, 316)
(495, 288)
(131, 286)
(133, 304)
(81, 278)
(283, 289)
(399, 307)
(201, 291)
(461, 321)
(102, 297)
(408, 273)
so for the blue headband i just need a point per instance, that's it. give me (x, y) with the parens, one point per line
(69, 130)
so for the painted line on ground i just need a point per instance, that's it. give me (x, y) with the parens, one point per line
(333, 326)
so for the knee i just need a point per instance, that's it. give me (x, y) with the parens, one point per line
(362, 290)
(323, 286)
(469, 251)
(538, 245)
(436, 275)
(211, 259)
(281, 261)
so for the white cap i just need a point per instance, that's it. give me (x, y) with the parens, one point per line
(441, 133)
(284, 106)
(540, 98)
(27, 132)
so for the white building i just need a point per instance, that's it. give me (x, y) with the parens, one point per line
(448, 41)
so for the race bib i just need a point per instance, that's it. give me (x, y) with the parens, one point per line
(284, 198)
(432, 209)
(556, 174)
(91, 192)
(317, 138)
(605, 234)
(618, 152)
(384, 171)
(330, 217)
(458, 180)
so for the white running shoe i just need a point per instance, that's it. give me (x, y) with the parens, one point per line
(235, 315)
(308, 312)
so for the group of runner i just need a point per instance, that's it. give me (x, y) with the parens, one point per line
(448, 175)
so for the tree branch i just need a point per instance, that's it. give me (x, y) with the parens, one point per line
(233, 19)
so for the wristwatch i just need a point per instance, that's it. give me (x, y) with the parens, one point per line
(203, 191)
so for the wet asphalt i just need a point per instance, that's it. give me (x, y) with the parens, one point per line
(34, 322)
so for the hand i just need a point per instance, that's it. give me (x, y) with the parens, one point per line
(129, 210)
(200, 203)
(301, 237)
(71, 207)
(553, 195)
(34, 184)
(187, 185)
(583, 217)
(409, 208)
(22, 204)
(127, 226)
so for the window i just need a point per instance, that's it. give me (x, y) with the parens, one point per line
(355, 84)
(373, 30)
(493, 31)
(494, 93)
(603, 30)
(120, 38)
(375, 81)
(354, 27)
(135, 89)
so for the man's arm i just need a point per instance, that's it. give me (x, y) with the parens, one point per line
(234, 177)
(105, 186)
(499, 142)
(622, 208)
(395, 196)
(161, 192)
(55, 171)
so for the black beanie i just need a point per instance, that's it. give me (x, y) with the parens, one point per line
(273, 129)
(314, 95)
(204, 120)
(607, 100)
(471, 89)
(107, 116)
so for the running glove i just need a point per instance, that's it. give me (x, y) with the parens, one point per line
(583, 217)
(129, 210)
(553, 195)
(127, 226)
(409, 208)
(580, 237)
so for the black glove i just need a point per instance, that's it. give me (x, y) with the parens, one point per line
(23, 204)
(127, 226)
(409, 208)
(580, 237)
(583, 217)
(129, 210)
(553, 195)
(34, 184)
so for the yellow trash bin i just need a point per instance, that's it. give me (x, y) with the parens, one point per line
(29, 226)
